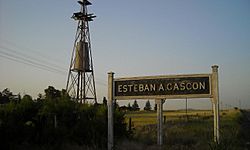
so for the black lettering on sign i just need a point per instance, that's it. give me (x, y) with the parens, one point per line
(163, 86)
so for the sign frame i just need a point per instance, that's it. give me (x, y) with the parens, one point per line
(177, 96)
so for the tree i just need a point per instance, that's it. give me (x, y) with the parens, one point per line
(54, 123)
(155, 108)
(6, 96)
(135, 106)
(52, 93)
(7, 93)
(147, 106)
(64, 94)
(104, 101)
(129, 107)
(27, 97)
(40, 97)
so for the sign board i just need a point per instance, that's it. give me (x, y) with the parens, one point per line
(158, 87)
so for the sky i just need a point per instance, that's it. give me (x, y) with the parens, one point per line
(130, 38)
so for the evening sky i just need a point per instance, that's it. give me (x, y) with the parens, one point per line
(130, 38)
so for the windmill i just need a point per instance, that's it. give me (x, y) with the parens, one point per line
(81, 81)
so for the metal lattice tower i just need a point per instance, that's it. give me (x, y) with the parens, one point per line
(81, 81)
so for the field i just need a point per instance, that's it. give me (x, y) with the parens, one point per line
(193, 130)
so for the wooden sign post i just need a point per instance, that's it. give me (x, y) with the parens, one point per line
(160, 88)
(215, 102)
(159, 103)
(110, 111)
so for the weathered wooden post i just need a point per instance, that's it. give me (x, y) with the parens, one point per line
(159, 103)
(110, 110)
(215, 102)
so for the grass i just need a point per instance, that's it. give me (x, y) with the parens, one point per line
(181, 133)
(143, 118)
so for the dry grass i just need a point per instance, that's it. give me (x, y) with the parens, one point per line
(180, 133)
(143, 118)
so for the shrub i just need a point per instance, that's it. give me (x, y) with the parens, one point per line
(56, 122)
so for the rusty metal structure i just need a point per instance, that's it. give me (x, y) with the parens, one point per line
(81, 81)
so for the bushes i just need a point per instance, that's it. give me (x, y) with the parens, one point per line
(54, 122)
